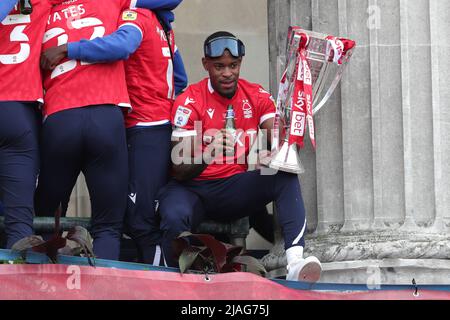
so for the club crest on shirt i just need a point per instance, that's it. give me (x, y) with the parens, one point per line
(182, 116)
(247, 109)
(129, 15)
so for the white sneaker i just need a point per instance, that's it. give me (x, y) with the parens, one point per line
(304, 270)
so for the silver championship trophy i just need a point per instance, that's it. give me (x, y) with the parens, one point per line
(314, 66)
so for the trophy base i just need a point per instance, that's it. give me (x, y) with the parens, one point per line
(285, 159)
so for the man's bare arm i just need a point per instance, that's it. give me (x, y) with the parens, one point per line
(267, 127)
(186, 166)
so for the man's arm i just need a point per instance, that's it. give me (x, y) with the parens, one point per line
(6, 7)
(166, 18)
(125, 41)
(116, 46)
(267, 113)
(267, 127)
(195, 165)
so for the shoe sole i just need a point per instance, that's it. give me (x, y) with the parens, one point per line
(310, 272)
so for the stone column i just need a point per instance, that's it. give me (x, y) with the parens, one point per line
(377, 189)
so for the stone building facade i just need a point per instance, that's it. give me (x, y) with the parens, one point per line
(378, 186)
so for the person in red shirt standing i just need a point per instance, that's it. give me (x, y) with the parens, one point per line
(84, 127)
(151, 86)
(209, 162)
(20, 96)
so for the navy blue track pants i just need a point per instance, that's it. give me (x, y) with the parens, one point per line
(183, 206)
(149, 163)
(19, 165)
(91, 140)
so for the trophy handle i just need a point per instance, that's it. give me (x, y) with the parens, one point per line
(321, 83)
(331, 89)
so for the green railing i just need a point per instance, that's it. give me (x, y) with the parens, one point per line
(47, 224)
(237, 230)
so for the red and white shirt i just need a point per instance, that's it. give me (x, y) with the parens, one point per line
(200, 111)
(74, 84)
(149, 71)
(20, 50)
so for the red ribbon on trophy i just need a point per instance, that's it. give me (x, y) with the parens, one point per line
(338, 48)
(302, 101)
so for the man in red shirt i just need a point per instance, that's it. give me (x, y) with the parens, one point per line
(20, 96)
(209, 162)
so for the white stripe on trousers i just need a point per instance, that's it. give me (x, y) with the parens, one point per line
(299, 237)
(157, 259)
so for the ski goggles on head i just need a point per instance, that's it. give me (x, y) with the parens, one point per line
(216, 47)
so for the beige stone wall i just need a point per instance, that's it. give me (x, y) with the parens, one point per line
(196, 19)
(377, 187)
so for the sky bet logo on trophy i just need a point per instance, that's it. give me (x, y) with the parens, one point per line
(314, 66)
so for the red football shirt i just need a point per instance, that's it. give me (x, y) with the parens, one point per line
(20, 49)
(74, 84)
(200, 111)
(149, 71)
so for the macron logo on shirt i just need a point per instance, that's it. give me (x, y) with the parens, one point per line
(132, 197)
(211, 112)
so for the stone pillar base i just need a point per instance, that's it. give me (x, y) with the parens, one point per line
(374, 273)
(393, 244)
(374, 258)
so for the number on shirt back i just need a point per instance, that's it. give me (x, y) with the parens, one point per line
(169, 73)
(171, 92)
(63, 38)
(17, 35)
